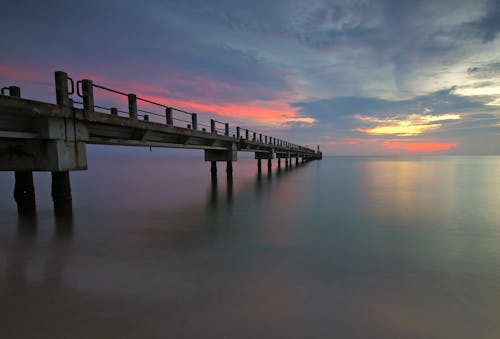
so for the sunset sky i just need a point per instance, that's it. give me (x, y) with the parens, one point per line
(355, 77)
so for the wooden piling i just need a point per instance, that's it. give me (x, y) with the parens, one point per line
(229, 169)
(259, 166)
(61, 193)
(213, 170)
(269, 165)
(24, 193)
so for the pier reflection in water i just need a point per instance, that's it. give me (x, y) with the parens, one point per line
(331, 248)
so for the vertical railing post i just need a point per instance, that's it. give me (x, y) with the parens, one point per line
(132, 106)
(254, 136)
(61, 186)
(212, 126)
(88, 95)
(246, 134)
(238, 132)
(260, 137)
(114, 111)
(194, 120)
(169, 116)
(226, 129)
(265, 138)
(62, 97)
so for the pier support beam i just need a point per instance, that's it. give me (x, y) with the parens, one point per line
(269, 165)
(24, 193)
(259, 165)
(61, 193)
(229, 170)
(279, 163)
(213, 170)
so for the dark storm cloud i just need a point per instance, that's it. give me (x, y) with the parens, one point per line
(329, 110)
(488, 26)
(118, 39)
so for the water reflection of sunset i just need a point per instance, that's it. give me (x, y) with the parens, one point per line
(402, 190)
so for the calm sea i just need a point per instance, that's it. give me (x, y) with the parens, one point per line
(345, 247)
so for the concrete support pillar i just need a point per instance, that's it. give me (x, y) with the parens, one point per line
(24, 193)
(213, 170)
(259, 166)
(61, 193)
(279, 163)
(269, 165)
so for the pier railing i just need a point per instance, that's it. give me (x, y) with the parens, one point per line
(171, 116)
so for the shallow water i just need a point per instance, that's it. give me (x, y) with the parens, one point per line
(343, 247)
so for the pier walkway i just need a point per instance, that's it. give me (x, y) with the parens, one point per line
(39, 136)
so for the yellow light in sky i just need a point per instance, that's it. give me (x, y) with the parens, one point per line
(414, 124)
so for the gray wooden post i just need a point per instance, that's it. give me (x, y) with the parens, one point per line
(238, 132)
(212, 126)
(254, 136)
(260, 137)
(132, 106)
(194, 120)
(265, 138)
(259, 166)
(62, 97)
(269, 165)
(226, 129)
(169, 116)
(246, 134)
(114, 111)
(88, 95)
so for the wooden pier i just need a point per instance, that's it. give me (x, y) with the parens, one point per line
(39, 136)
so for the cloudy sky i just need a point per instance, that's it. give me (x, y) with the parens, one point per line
(355, 77)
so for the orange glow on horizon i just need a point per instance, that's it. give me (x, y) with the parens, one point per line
(418, 147)
(414, 124)
(274, 112)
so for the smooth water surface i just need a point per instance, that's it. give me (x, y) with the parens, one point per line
(338, 248)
